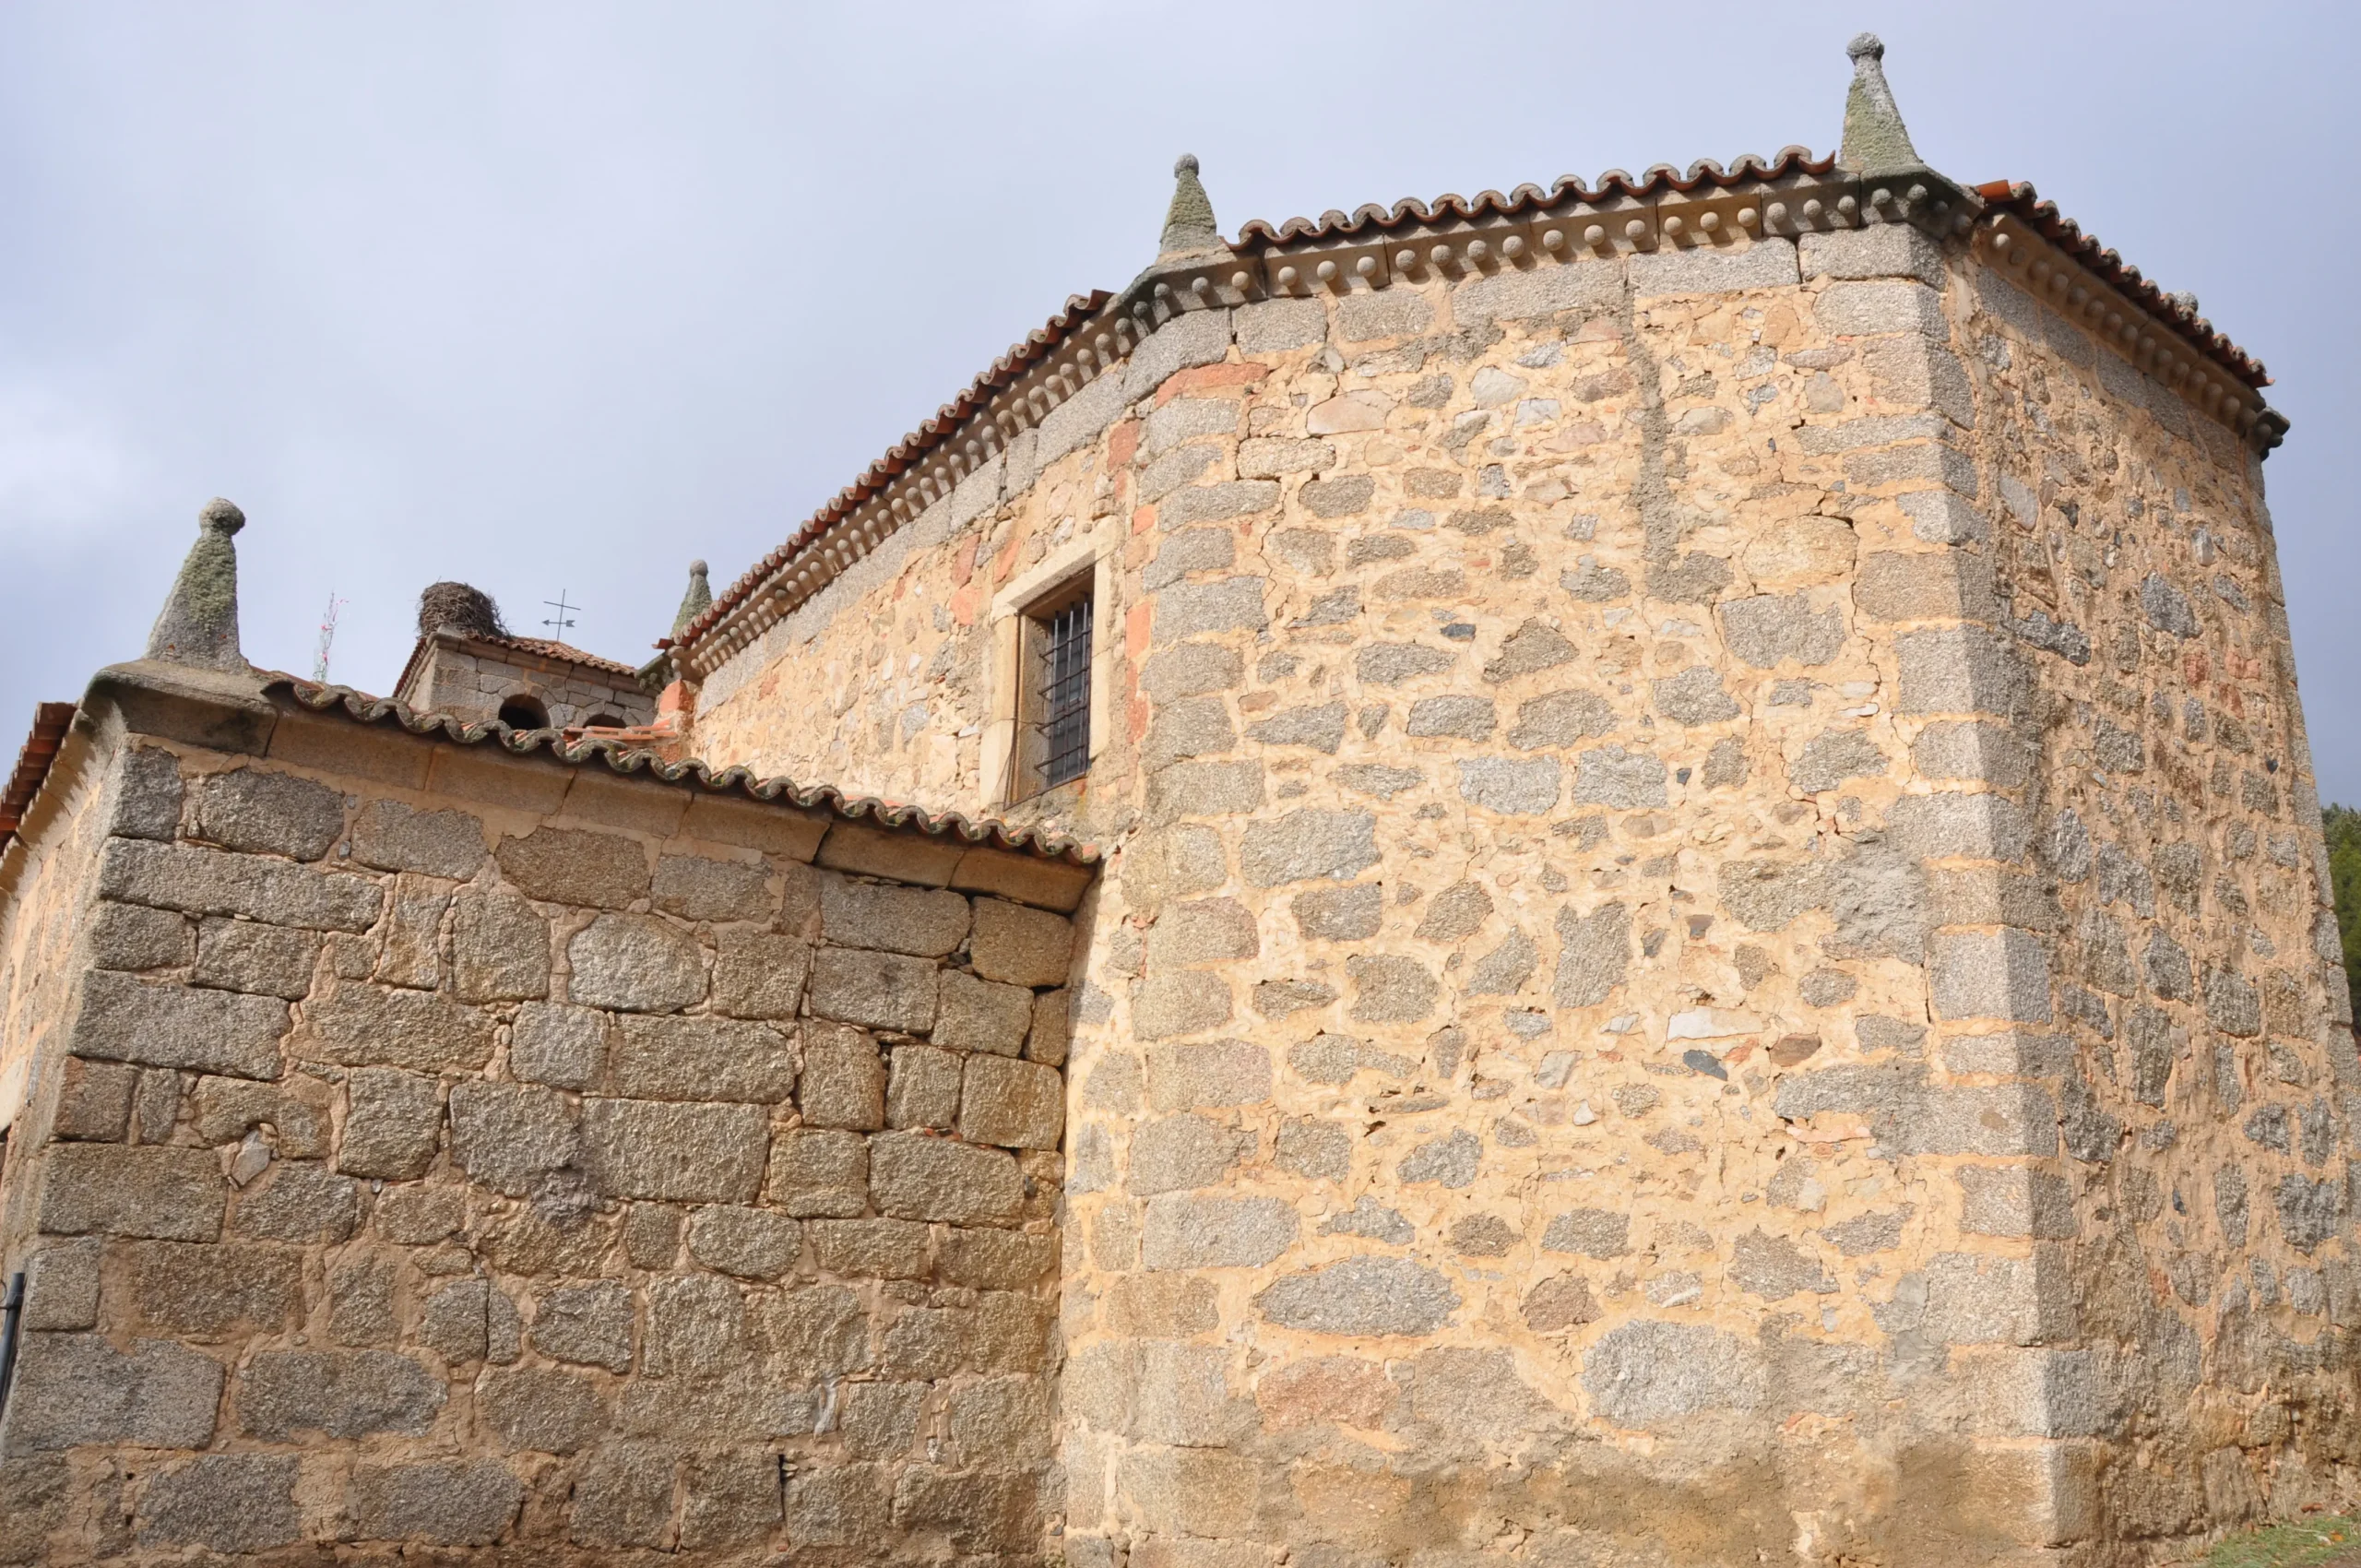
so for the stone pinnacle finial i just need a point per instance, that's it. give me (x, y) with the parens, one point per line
(200, 622)
(1189, 222)
(1876, 141)
(696, 601)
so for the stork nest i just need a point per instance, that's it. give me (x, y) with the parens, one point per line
(467, 610)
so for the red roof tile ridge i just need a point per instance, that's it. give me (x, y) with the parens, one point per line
(2044, 217)
(549, 647)
(902, 454)
(361, 707)
(1259, 234)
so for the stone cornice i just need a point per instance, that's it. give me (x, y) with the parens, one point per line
(2162, 337)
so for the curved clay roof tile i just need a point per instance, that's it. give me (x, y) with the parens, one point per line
(901, 456)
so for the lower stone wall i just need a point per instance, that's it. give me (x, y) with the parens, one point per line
(530, 1161)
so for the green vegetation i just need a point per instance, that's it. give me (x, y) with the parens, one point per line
(2343, 826)
(2312, 1544)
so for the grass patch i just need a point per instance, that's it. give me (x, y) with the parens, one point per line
(2330, 1538)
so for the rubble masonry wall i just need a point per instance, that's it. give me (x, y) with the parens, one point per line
(1569, 1067)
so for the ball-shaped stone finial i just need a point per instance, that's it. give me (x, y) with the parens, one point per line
(696, 569)
(1868, 43)
(222, 517)
(1186, 164)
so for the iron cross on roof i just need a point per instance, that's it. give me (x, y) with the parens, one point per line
(563, 620)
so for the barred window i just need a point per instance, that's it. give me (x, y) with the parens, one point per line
(1065, 693)
(1053, 692)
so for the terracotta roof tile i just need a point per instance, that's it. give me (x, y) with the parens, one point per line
(546, 649)
(901, 456)
(362, 709)
(1258, 234)
(51, 720)
(2044, 218)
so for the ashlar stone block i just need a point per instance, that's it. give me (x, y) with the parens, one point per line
(636, 1149)
(757, 974)
(563, 1047)
(393, 1123)
(697, 888)
(1361, 1296)
(209, 1292)
(93, 1100)
(265, 812)
(367, 1025)
(872, 1249)
(542, 1408)
(563, 865)
(224, 1502)
(62, 1287)
(1184, 1230)
(174, 1195)
(924, 1090)
(500, 948)
(261, 960)
(511, 1138)
(636, 964)
(977, 1014)
(393, 836)
(131, 936)
(298, 1202)
(1011, 1104)
(587, 1324)
(337, 1393)
(700, 1058)
(817, 1172)
(450, 1502)
(72, 1389)
(1018, 945)
(843, 1081)
(874, 989)
(752, 1243)
(915, 1176)
(158, 1024)
(923, 922)
(202, 881)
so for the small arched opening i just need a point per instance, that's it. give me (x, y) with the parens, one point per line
(522, 712)
(604, 721)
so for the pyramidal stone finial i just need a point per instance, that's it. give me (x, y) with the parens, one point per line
(695, 602)
(199, 623)
(1189, 222)
(1876, 141)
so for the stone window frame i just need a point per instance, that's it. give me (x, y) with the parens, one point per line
(1053, 578)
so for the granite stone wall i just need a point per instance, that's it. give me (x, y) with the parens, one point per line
(1636, 1016)
(449, 1151)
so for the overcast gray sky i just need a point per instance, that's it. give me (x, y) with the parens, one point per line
(557, 297)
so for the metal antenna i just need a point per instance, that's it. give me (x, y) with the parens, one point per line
(327, 636)
(561, 621)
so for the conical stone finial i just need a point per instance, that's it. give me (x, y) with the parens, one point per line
(1189, 222)
(1876, 141)
(696, 601)
(199, 623)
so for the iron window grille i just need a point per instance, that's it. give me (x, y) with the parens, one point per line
(1065, 693)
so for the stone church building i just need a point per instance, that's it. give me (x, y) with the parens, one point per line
(1622, 874)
